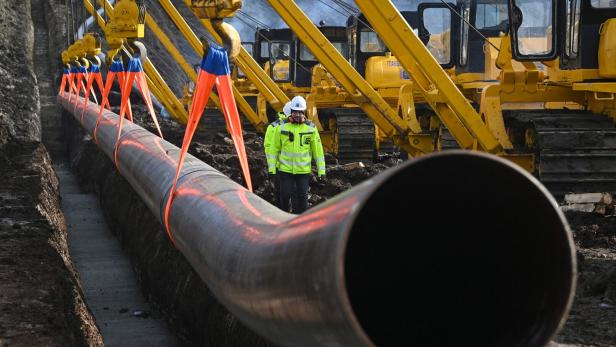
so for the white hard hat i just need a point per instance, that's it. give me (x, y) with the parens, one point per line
(298, 104)
(287, 109)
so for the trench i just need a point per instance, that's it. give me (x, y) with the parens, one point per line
(138, 289)
(109, 285)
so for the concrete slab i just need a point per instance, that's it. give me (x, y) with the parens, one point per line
(106, 273)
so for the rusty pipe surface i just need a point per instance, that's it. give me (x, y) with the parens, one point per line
(458, 248)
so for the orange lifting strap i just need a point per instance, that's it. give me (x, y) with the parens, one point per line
(116, 69)
(94, 75)
(134, 73)
(214, 71)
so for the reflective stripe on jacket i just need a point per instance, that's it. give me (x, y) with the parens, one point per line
(294, 146)
(267, 141)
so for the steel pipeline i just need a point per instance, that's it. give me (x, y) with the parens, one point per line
(458, 248)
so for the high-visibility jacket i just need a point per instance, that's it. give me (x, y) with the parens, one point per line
(293, 148)
(269, 132)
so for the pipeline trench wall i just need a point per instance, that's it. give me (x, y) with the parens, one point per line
(41, 300)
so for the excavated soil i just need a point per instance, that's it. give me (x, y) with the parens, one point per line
(41, 303)
(592, 321)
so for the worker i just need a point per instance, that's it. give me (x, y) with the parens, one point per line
(296, 142)
(269, 133)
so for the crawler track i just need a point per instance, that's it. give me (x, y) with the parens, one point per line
(356, 136)
(575, 150)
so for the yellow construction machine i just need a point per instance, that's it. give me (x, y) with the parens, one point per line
(574, 141)
(345, 130)
(568, 149)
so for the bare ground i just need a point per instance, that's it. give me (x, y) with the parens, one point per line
(593, 318)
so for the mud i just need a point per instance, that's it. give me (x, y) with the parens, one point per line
(41, 303)
(592, 321)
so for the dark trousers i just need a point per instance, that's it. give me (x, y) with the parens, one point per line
(294, 188)
(276, 181)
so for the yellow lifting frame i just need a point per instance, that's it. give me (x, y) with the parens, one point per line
(262, 81)
(195, 43)
(453, 108)
(362, 93)
(155, 81)
(177, 56)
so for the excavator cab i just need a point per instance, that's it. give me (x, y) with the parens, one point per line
(272, 50)
(580, 33)
(475, 58)
(437, 30)
(305, 60)
(433, 22)
(365, 43)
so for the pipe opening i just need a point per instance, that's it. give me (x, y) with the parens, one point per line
(459, 249)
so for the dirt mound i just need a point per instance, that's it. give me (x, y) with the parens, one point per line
(592, 320)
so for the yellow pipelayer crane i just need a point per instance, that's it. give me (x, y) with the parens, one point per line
(484, 130)
(567, 149)
(470, 131)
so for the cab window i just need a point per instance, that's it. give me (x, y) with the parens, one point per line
(437, 22)
(305, 54)
(603, 3)
(280, 50)
(491, 15)
(264, 49)
(370, 42)
(573, 28)
(535, 32)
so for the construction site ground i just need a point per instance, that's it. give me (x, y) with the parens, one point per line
(593, 318)
(41, 298)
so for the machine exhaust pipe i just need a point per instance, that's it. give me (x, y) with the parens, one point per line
(458, 248)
